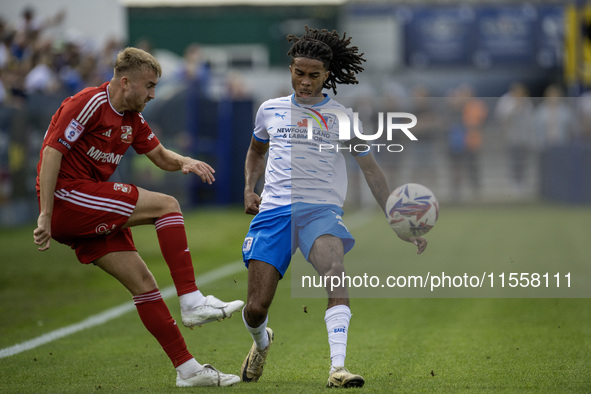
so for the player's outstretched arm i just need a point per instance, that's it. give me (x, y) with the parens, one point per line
(254, 167)
(172, 161)
(50, 167)
(376, 180)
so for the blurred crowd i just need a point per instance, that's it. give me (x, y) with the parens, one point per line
(38, 69)
(42, 61)
(480, 148)
(32, 62)
(459, 131)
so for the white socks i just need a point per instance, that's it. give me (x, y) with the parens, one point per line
(188, 368)
(337, 321)
(191, 300)
(259, 334)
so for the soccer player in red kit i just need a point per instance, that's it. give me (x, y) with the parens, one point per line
(79, 207)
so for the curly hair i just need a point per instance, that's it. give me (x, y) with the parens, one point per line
(342, 60)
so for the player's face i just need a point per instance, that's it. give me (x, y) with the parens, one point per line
(141, 88)
(307, 78)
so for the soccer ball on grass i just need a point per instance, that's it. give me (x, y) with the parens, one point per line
(412, 210)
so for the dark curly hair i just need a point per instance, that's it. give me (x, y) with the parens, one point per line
(342, 60)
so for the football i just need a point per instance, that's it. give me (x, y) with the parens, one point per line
(412, 210)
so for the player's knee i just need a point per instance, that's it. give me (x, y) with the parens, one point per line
(255, 313)
(149, 281)
(170, 205)
(334, 269)
(143, 284)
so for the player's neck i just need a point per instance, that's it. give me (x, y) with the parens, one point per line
(115, 99)
(309, 100)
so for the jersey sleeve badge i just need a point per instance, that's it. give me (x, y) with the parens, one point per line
(122, 187)
(73, 131)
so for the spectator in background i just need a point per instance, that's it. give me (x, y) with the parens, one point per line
(106, 59)
(41, 78)
(465, 137)
(554, 119)
(556, 127)
(30, 25)
(29, 29)
(5, 39)
(584, 116)
(514, 116)
(236, 88)
(27, 59)
(194, 70)
(3, 94)
(425, 160)
(394, 99)
(474, 116)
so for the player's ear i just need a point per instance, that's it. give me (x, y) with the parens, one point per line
(124, 82)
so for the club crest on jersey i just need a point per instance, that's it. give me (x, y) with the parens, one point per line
(126, 134)
(247, 244)
(122, 187)
(104, 229)
(73, 131)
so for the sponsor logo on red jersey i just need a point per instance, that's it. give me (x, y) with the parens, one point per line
(104, 157)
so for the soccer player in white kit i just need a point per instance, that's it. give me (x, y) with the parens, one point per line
(304, 191)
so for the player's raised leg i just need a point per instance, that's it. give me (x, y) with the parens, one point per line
(262, 284)
(165, 213)
(327, 256)
(132, 272)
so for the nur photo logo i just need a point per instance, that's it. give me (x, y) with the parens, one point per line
(388, 122)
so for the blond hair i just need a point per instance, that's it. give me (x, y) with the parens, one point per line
(130, 60)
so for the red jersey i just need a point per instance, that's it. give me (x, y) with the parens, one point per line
(93, 137)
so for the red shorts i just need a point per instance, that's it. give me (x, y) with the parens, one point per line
(87, 216)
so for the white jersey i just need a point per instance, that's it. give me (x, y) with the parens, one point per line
(300, 169)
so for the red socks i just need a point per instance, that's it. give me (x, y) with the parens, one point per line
(153, 312)
(172, 237)
(156, 317)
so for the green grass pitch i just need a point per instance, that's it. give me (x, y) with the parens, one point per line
(537, 345)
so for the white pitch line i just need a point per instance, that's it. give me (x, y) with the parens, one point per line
(358, 219)
(113, 313)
